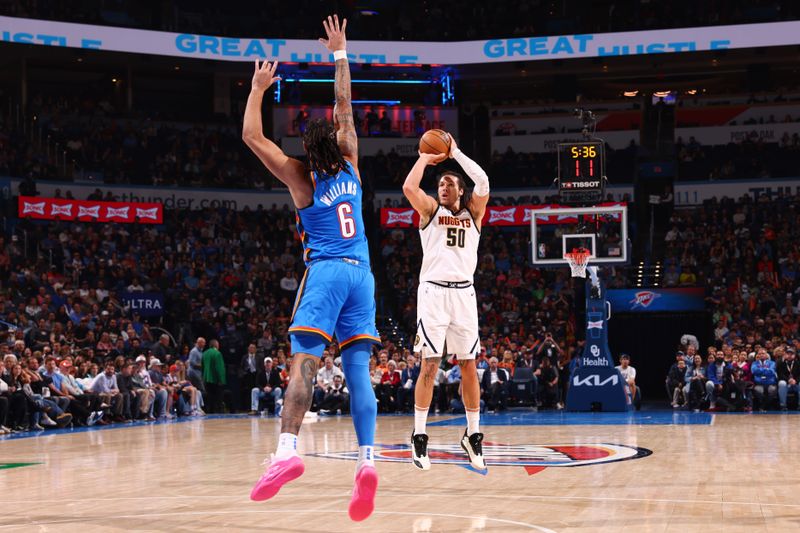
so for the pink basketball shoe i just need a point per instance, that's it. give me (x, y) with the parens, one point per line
(279, 473)
(363, 501)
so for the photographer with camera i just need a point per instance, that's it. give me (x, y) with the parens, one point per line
(550, 349)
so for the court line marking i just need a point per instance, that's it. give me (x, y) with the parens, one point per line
(428, 494)
(272, 511)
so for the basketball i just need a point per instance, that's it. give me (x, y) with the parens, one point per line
(435, 142)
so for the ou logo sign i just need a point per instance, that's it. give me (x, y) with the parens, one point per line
(595, 350)
(594, 381)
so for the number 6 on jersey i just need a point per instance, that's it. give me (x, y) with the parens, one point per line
(347, 225)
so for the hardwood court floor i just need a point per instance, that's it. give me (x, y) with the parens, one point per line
(706, 473)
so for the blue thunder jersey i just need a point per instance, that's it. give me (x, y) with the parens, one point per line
(332, 227)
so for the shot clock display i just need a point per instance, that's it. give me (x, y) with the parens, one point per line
(581, 171)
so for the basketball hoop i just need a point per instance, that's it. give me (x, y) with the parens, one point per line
(577, 259)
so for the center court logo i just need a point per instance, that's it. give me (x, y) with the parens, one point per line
(533, 457)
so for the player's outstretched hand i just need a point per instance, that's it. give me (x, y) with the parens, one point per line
(264, 75)
(336, 39)
(453, 147)
(432, 159)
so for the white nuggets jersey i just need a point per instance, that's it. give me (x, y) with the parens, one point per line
(449, 246)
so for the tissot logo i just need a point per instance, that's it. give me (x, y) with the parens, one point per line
(402, 217)
(593, 380)
(580, 184)
(533, 457)
(506, 215)
(643, 299)
(93, 212)
(31, 208)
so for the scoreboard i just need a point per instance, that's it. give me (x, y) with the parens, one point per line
(581, 171)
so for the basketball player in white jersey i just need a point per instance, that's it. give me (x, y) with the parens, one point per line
(447, 311)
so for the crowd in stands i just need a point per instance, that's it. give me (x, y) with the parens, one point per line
(746, 255)
(408, 20)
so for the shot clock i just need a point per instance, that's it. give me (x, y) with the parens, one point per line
(581, 171)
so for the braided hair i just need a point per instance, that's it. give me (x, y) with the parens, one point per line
(324, 156)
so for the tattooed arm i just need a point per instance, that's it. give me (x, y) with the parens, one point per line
(343, 110)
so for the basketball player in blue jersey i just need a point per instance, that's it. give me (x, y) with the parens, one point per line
(337, 293)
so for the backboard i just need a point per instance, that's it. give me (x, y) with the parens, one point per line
(603, 230)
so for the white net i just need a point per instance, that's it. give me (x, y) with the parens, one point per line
(578, 259)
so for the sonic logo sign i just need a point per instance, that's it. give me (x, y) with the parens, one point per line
(533, 457)
(90, 211)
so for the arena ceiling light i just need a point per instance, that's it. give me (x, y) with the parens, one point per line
(630, 94)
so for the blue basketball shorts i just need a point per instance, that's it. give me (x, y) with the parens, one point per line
(336, 296)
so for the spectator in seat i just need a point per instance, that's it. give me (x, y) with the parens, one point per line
(387, 390)
(453, 382)
(732, 396)
(336, 398)
(788, 371)
(494, 386)
(508, 362)
(268, 385)
(249, 368)
(675, 382)
(162, 390)
(144, 389)
(105, 385)
(695, 389)
(130, 399)
(765, 378)
(325, 377)
(408, 383)
(716, 375)
(628, 374)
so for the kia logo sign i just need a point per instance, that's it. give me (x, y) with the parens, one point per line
(593, 380)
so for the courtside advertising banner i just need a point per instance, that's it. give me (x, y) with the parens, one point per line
(147, 304)
(190, 45)
(90, 211)
(651, 300)
(515, 215)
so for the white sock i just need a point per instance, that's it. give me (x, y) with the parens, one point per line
(420, 419)
(366, 457)
(473, 421)
(287, 445)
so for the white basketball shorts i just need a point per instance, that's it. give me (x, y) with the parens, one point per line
(447, 320)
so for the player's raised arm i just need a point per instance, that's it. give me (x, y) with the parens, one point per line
(343, 109)
(422, 203)
(289, 170)
(480, 194)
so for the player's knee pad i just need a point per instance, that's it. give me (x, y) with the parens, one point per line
(310, 344)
